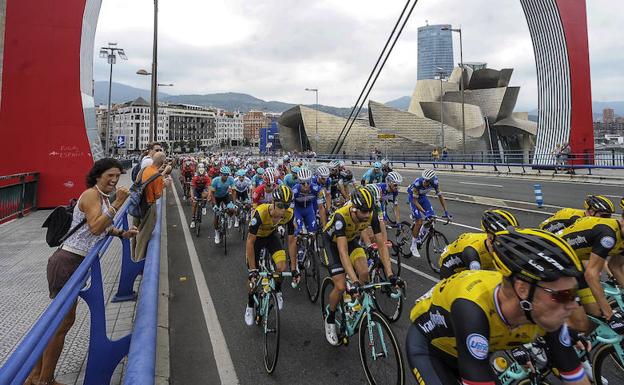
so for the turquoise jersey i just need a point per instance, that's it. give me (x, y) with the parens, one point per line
(221, 188)
(290, 180)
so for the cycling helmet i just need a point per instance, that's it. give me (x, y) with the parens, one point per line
(295, 169)
(282, 194)
(493, 221)
(334, 164)
(347, 175)
(428, 174)
(304, 174)
(269, 178)
(241, 172)
(272, 170)
(201, 170)
(384, 162)
(286, 158)
(375, 190)
(377, 165)
(622, 203)
(259, 171)
(225, 170)
(534, 255)
(394, 177)
(322, 171)
(362, 199)
(599, 204)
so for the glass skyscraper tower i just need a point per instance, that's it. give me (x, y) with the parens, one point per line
(435, 49)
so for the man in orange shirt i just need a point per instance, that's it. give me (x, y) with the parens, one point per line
(152, 192)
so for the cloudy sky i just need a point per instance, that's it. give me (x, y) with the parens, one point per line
(274, 49)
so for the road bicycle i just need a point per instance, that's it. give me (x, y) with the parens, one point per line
(222, 225)
(308, 260)
(267, 311)
(244, 216)
(385, 298)
(434, 241)
(199, 213)
(380, 354)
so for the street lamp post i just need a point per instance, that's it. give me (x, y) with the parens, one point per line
(154, 109)
(110, 53)
(461, 82)
(153, 104)
(316, 135)
(441, 74)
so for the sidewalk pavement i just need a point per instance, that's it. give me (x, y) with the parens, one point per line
(24, 296)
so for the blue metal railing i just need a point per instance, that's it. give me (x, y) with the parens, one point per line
(104, 354)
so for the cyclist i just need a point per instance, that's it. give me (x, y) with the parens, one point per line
(473, 251)
(263, 193)
(595, 206)
(263, 234)
(214, 170)
(201, 186)
(471, 314)
(290, 179)
(221, 190)
(390, 193)
(385, 169)
(335, 166)
(256, 180)
(240, 192)
(187, 173)
(306, 197)
(323, 180)
(345, 181)
(594, 240)
(344, 255)
(421, 205)
(373, 175)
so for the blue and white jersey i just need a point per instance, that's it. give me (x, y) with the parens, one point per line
(222, 189)
(386, 194)
(372, 177)
(290, 180)
(326, 185)
(306, 199)
(242, 186)
(418, 188)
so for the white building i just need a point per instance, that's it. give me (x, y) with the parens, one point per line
(229, 127)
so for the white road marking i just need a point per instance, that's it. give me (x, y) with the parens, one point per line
(223, 360)
(614, 196)
(482, 184)
(408, 267)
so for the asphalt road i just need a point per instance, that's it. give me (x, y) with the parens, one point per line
(305, 357)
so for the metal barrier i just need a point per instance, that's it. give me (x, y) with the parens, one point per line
(18, 195)
(104, 354)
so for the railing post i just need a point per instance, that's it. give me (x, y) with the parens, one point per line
(130, 270)
(22, 201)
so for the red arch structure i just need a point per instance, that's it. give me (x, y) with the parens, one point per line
(47, 119)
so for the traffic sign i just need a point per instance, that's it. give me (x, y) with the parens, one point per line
(121, 141)
(386, 136)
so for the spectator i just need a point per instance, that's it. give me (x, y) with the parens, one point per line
(445, 154)
(152, 149)
(94, 204)
(435, 154)
(152, 192)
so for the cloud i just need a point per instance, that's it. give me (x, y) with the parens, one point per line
(274, 49)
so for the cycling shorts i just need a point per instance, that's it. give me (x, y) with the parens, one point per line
(427, 364)
(273, 245)
(197, 192)
(426, 205)
(331, 255)
(242, 196)
(225, 200)
(305, 216)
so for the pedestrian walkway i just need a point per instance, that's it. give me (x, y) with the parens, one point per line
(24, 296)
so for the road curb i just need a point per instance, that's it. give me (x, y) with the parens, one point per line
(162, 337)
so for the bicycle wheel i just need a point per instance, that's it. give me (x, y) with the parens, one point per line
(312, 275)
(379, 351)
(326, 289)
(404, 239)
(389, 307)
(197, 224)
(224, 238)
(271, 332)
(436, 243)
(389, 211)
(607, 367)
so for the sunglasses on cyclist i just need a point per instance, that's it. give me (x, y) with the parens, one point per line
(282, 205)
(561, 296)
(365, 211)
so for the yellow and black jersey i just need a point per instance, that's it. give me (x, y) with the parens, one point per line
(340, 224)
(601, 236)
(461, 317)
(468, 252)
(261, 224)
(562, 219)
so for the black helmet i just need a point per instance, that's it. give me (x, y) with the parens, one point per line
(534, 255)
(362, 199)
(282, 194)
(599, 204)
(494, 221)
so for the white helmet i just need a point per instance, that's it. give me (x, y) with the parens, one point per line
(334, 164)
(428, 174)
(384, 162)
(322, 171)
(304, 174)
(394, 177)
